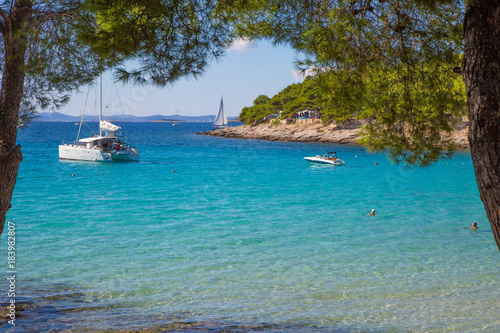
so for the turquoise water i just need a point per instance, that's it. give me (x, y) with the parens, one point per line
(244, 235)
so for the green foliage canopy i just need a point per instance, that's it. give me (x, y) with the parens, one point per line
(392, 60)
(166, 39)
(56, 61)
(69, 42)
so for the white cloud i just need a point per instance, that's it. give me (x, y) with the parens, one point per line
(300, 76)
(243, 45)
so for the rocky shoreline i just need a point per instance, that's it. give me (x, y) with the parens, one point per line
(312, 130)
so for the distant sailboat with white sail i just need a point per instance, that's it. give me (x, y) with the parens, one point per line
(221, 120)
(176, 122)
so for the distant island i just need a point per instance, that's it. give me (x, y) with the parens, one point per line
(167, 121)
(235, 120)
(60, 117)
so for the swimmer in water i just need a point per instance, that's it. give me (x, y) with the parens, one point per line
(372, 213)
(474, 226)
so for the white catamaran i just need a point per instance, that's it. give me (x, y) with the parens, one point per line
(221, 120)
(109, 145)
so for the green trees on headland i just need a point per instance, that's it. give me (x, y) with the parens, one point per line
(295, 97)
(315, 93)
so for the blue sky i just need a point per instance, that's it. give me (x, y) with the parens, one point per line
(246, 71)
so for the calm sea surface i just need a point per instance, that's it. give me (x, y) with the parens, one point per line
(213, 234)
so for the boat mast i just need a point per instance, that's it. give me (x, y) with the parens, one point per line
(100, 104)
(83, 113)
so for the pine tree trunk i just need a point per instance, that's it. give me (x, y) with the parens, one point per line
(14, 35)
(481, 71)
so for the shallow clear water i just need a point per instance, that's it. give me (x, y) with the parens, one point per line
(246, 235)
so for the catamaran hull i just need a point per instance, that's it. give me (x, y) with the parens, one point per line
(320, 160)
(132, 155)
(69, 152)
(75, 153)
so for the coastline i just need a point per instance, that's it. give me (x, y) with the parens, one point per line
(312, 130)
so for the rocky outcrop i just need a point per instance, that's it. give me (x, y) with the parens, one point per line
(311, 130)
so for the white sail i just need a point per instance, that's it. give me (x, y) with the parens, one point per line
(106, 125)
(221, 120)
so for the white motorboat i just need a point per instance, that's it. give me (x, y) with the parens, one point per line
(221, 120)
(329, 158)
(108, 145)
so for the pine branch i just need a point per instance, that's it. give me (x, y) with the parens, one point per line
(5, 22)
(43, 16)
